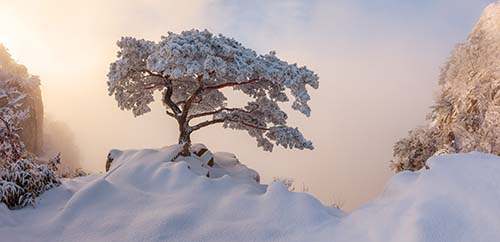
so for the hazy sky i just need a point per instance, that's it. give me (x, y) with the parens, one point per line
(378, 62)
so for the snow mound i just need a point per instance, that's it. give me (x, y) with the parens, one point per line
(145, 197)
(203, 162)
(457, 200)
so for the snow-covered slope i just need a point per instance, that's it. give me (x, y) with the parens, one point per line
(145, 197)
(456, 200)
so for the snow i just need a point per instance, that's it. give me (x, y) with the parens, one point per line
(145, 197)
(191, 70)
(455, 200)
(228, 164)
(466, 114)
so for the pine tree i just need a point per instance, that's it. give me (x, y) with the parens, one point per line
(192, 69)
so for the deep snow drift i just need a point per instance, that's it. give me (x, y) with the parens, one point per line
(145, 197)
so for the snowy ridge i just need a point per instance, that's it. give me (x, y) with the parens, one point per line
(455, 200)
(145, 197)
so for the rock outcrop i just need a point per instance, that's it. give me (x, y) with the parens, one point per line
(466, 115)
(20, 96)
(32, 127)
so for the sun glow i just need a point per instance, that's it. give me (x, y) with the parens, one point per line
(7, 28)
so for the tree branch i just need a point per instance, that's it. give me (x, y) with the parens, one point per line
(180, 102)
(251, 125)
(190, 100)
(167, 99)
(170, 114)
(154, 85)
(7, 125)
(221, 120)
(218, 111)
(230, 84)
(153, 74)
(207, 123)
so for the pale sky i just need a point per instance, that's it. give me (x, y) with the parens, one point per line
(378, 62)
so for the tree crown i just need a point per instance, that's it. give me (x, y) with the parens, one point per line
(193, 67)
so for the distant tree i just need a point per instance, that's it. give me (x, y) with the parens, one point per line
(466, 116)
(192, 68)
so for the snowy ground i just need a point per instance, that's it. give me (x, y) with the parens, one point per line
(146, 198)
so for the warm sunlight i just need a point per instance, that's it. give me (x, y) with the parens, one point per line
(9, 30)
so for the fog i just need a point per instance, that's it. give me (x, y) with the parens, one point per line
(59, 139)
(378, 63)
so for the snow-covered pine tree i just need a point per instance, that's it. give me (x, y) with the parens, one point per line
(466, 116)
(192, 68)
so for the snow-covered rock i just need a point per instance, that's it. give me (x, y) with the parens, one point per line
(145, 197)
(228, 164)
(203, 162)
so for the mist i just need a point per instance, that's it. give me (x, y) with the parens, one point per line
(378, 64)
(58, 139)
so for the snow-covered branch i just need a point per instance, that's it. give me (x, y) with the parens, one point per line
(231, 84)
(204, 114)
(207, 123)
(194, 66)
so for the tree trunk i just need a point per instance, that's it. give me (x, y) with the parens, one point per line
(184, 139)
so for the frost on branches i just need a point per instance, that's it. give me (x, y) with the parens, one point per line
(22, 176)
(22, 181)
(15, 82)
(191, 70)
(466, 116)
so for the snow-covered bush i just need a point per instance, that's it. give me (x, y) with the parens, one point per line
(11, 146)
(192, 68)
(22, 176)
(25, 179)
(466, 116)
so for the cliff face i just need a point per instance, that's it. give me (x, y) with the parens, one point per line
(21, 101)
(32, 127)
